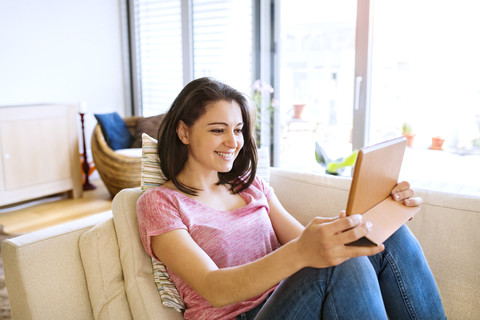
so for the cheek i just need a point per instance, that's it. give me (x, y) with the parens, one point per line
(240, 142)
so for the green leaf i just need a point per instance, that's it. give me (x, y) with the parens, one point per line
(333, 167)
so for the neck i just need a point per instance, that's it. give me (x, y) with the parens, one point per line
(204, 182)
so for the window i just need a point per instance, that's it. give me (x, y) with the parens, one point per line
(363, 72)
(316, 69)
(223, 41)
(158, 71)
(425, 73)
(362, 69)
(171, 37)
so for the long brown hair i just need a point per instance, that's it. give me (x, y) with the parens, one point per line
(190, 105)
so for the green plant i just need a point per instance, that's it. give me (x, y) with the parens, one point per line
(406, 128)
(262, 90)
(334, 167)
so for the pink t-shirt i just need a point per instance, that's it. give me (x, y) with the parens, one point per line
(230, 238)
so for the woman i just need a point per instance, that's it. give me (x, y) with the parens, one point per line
(233, 251)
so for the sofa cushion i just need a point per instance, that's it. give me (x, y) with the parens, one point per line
(114, 130)
(103, 271)
(130, 152)
(147, 125)
(142, 293)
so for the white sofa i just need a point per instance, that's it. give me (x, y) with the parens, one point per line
(95, 268)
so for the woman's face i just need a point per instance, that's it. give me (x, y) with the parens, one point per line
(216, 138)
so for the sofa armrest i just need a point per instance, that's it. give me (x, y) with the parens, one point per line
(44, 272)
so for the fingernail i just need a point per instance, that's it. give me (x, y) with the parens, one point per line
(369, 225)
(396, 196)
(358, 218)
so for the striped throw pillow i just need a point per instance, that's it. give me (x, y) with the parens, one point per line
(152, 176)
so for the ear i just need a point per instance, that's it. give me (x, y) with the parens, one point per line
(182, 132)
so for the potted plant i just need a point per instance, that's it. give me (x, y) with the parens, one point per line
(437, 143)
(334, 167)
(298, 110)
(407, 133)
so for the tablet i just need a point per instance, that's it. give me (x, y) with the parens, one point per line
(375, 174)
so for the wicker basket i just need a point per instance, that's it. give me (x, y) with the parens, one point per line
(117, 171)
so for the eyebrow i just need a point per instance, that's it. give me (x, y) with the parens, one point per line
(222, 123)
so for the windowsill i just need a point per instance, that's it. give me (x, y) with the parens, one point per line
(442, 171)
(423, 168)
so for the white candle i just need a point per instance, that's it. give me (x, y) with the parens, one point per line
(83, 107)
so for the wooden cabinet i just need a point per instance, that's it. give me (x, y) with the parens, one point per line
(39, 152)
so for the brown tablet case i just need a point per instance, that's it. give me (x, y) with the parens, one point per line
(375, 174)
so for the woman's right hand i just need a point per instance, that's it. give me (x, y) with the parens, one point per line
(323, 242)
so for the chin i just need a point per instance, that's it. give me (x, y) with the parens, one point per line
(225, 169)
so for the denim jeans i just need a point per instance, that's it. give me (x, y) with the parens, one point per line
(396, 282)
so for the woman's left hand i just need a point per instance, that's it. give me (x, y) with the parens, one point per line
(402, 193)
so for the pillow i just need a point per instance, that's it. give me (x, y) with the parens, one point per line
(167, 290)
(149, 126)
(152, 176)
(103, 272)
(115, 130)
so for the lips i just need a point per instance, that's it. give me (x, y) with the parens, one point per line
(225, 155)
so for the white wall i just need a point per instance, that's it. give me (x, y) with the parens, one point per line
(62, 51)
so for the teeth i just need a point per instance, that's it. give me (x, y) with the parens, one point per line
(225, 154)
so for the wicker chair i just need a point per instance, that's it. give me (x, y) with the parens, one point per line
(117, 171)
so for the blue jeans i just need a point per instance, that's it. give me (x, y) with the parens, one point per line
(396, 282)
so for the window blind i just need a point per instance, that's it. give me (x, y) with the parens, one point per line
(159, 53)
(222, 42)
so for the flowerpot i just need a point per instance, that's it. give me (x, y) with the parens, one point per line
(410, 137)
(437, 143)
(298, 110)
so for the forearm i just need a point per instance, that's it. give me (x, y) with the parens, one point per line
(235, 284)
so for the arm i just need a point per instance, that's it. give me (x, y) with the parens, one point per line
(320, 245)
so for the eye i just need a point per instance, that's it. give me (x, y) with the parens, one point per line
(217, 131)
(239, 131)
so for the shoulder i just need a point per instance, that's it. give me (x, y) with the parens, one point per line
(157, 196)
(260, 186)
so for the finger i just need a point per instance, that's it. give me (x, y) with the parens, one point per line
(322, 220)
(338, 226)
(402, 195)
(355, 233)
(344, 224)
(364, 251)
(343, 214)
(413, 202)
(401, 186)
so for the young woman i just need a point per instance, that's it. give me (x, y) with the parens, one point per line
(233, 251)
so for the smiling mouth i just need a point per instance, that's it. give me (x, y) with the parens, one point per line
(225, 155)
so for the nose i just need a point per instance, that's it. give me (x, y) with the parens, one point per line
(231, 140)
